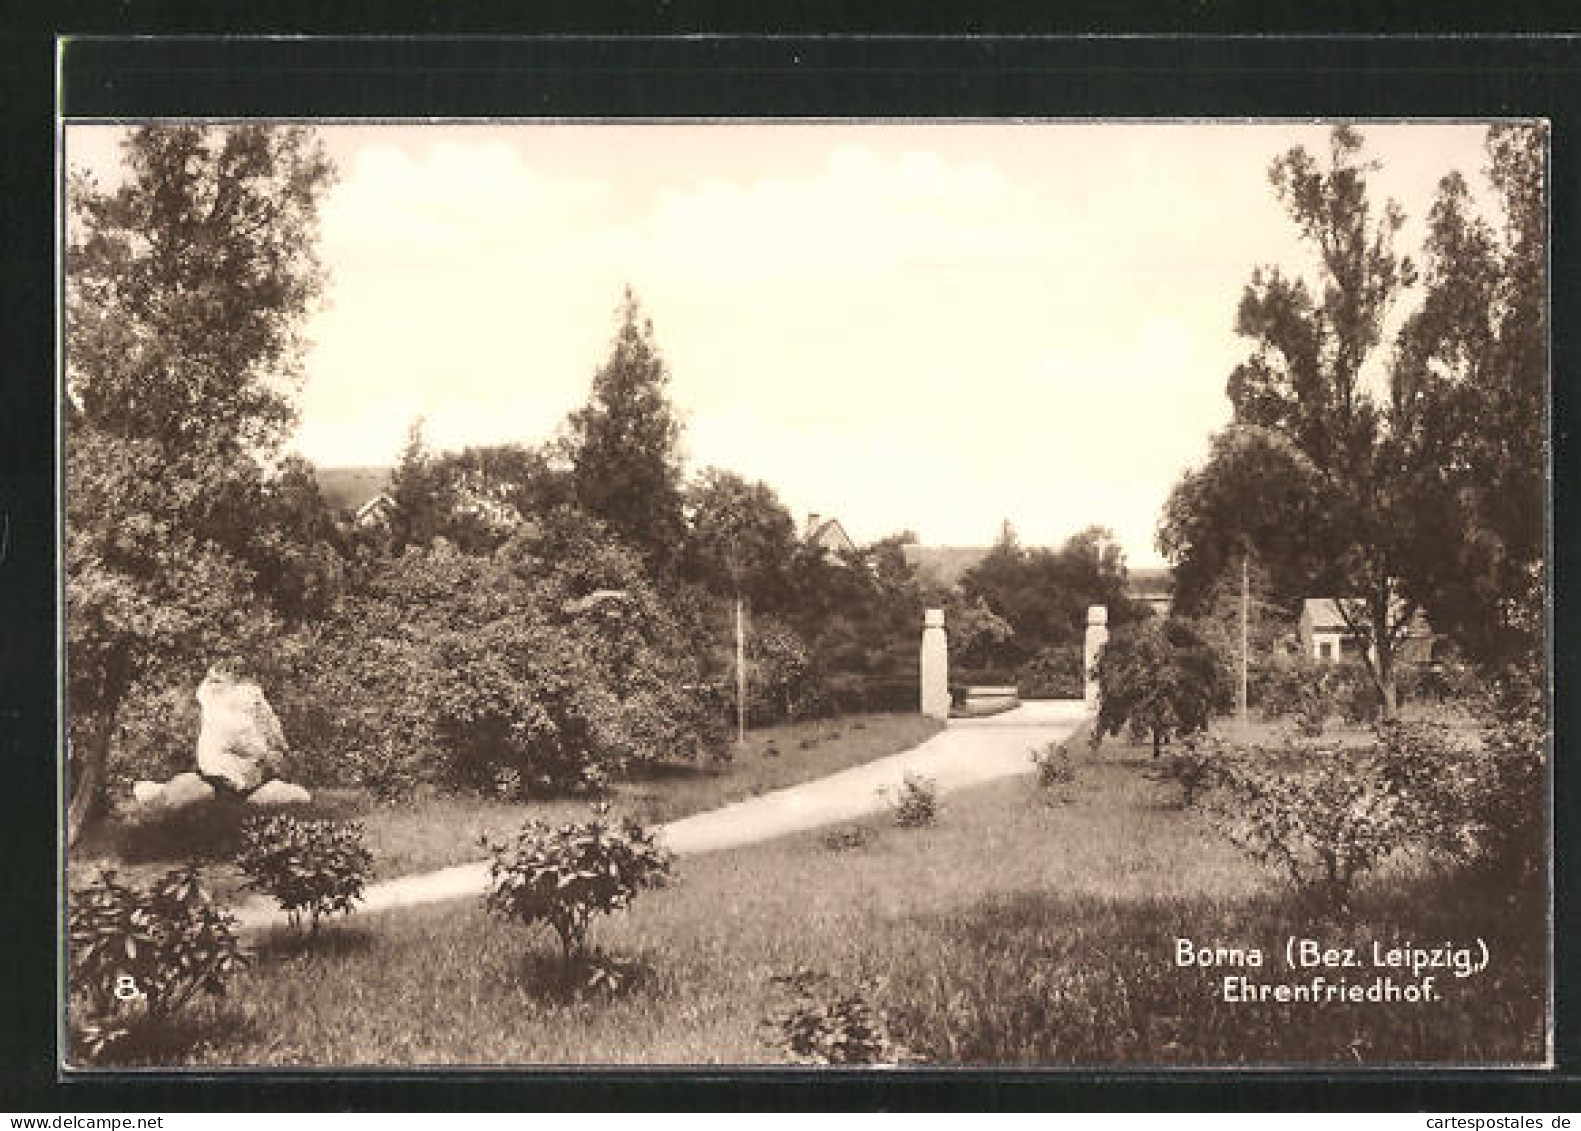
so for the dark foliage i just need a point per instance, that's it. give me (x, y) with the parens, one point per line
(139, 955)
(311, 868)
(1162, 680)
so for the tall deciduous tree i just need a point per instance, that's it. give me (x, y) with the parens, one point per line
(741, 539)
(186, 287)
(1471, 382)
(1347, 470)
(625, 444)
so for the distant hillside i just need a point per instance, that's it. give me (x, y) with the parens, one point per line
(945, 565)
(347, 488)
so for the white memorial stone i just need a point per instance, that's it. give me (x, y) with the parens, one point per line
(1097, 637)
(935, 666)
(239, 741)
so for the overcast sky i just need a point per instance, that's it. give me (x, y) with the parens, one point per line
(919, 326)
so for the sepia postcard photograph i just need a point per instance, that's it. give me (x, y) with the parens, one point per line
(1060, 594)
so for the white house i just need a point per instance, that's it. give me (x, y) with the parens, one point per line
(828, 535)
(1325, 635)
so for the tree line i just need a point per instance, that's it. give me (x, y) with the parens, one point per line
(536, 616)
(1397, 464)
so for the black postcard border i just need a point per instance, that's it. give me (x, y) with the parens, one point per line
(746, 75)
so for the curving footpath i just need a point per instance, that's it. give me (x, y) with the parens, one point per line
(967, 752)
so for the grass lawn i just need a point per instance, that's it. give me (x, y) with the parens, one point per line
(1027, 926)
(435, 830)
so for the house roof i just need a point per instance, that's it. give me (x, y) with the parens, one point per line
(1323, 614)
(831, 535)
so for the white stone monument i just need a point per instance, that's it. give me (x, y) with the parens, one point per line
(935, 666)
(1097, 637)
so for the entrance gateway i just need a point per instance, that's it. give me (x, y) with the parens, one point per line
(935, 665)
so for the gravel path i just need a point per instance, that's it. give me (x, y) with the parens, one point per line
(967, 752)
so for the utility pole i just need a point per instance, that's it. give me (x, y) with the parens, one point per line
(741, 675)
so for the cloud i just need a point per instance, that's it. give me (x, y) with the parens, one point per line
(923, 326)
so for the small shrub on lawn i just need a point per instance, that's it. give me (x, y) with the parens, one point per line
(848, 839)
(1479, 804)
(313, 869)
(562, 876)
(1054, 765)
(824, 1024)
(1194, 768)
(1323, 816)
(1161, 680)
(138, 956)
(916, 802)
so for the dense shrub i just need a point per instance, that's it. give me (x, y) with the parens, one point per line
(1299, 688)
(1509, 806)
(156, 734)
(915, 802)
(1321, 815)
(563, 876)
(1054, 673)
(1194, 766)
(1481, 803)
(1053, 765)
(782, 682)
(311, 868)
(824, 1024)
(541, 670)
(848, 838)
(1162, 681)
(138, 956)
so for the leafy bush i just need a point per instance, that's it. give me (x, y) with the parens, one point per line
(916, 802)
(1480, 804)
(156, 733)
(1053, 765)
(541, 670)
(563, 876)
(1356, 694)
(1449, 681)
(1513, 771)
(1194, 767)
(312, 868)
(1324, 816)
(1054, 673)
(781, 680)
(1162, 680)
(1300, 688)
(827, 1025)
(139, 956)
(848, 839)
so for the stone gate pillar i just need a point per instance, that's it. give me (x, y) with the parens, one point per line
(935, 666)
(1097, 637)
